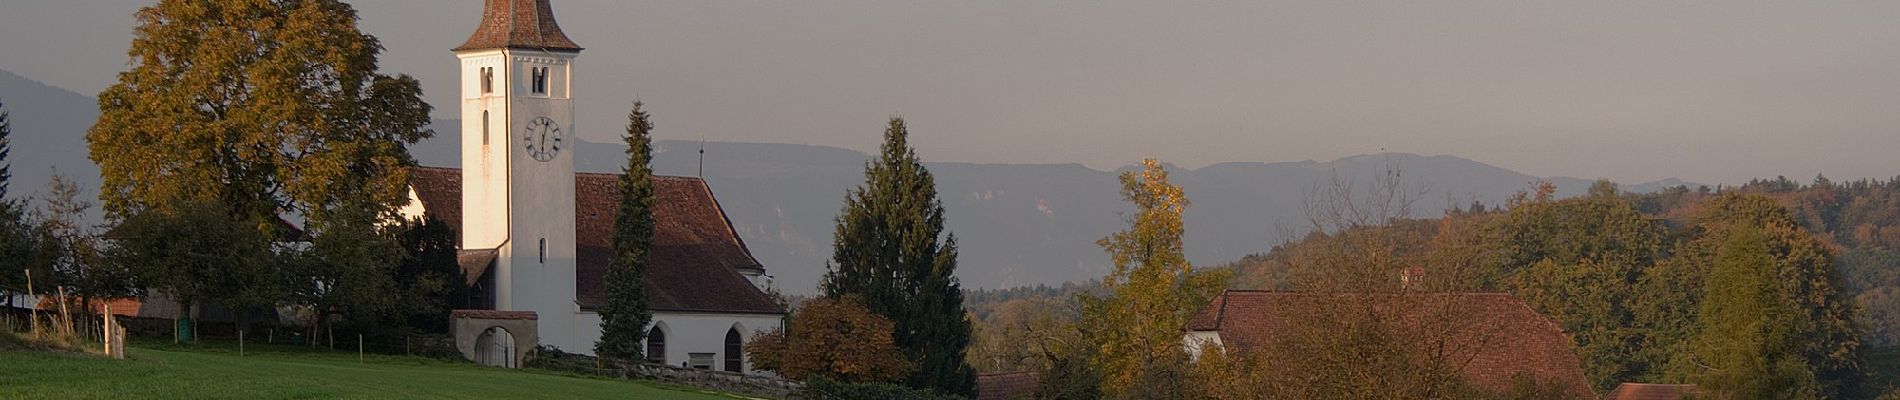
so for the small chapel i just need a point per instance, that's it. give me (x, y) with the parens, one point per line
(536, 236)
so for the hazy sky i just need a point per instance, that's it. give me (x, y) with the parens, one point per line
(1629, 90)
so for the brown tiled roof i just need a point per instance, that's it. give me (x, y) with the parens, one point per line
(1499, 335)
(493, 314)
(518, 24)
(475, 263)
(1651, 391)
(1007, 385)
(696, 254)
(440, 191)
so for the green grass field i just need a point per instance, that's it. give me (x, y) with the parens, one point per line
(166, 372)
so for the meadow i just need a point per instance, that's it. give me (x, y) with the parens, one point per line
(163, 371)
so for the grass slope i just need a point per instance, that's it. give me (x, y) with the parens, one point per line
(159, 373)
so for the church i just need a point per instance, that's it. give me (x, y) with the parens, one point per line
(536, 236)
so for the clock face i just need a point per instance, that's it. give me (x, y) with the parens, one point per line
(544, 138)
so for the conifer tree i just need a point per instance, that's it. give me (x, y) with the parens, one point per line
(891, 252)
(624, 316)
(14, 245)
(1750, 340)
(6, 146)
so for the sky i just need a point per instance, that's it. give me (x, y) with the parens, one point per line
(1711, 92)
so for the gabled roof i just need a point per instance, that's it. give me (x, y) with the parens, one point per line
(696, 254)
(1499, 335)
(518, 24)
(1007, 385)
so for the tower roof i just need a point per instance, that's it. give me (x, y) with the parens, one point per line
(518, 24)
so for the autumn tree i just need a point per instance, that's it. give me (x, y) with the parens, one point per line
(891, 252)
(1152, 292)
(1578, 261)
(1382, 314)
(257, 110)
(624, 316)
(836, 339)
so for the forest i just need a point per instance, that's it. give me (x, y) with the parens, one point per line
(1770, 289)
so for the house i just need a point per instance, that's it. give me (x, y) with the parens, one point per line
(1493, 336)
(536, 237)
(1007, 385)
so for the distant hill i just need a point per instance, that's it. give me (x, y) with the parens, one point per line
(1019, 224)
(1027, 224)
(49, 131)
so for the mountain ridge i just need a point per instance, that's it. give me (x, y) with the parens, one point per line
(1018, 224)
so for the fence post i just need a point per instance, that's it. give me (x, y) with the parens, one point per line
(359, 348)
(106, 325)
(34, 322)
(240, 342)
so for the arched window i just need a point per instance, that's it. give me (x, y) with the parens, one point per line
(484, 127)
(656, 346)
(735, 351)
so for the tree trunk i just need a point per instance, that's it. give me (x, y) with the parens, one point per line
(195, 307)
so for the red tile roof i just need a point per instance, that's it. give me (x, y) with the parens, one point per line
(1007, 385)
(1651, 391)
(1501, 335)
(518, 24)
(493, 314)
(475, 263)
(696, 254)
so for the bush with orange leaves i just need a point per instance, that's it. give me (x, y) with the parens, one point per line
(833, 338)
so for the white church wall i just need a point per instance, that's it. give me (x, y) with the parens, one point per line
(687, 333)
(485, 150)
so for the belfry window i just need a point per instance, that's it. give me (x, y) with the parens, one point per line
(488, 80)
(540, 79)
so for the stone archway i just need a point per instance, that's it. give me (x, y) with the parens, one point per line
(496, 338)
(496, 348)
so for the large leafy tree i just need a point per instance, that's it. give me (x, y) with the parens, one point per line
(1153, 292)
(255, 109)
(1578, 261)
(195, 254)
(347, 271)
(428, 281)
(891, 252)
(624, 316)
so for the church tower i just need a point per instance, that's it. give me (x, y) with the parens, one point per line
(518, 135)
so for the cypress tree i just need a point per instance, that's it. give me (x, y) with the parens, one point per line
(14, 249)
(6, 146)
(624, 316)
(891, 252)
